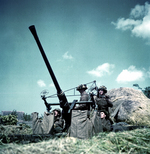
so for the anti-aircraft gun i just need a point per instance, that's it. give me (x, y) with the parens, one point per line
(63, 102)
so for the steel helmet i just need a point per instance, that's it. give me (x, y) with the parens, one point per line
(82, 86)
(58, 110)
(103, 88)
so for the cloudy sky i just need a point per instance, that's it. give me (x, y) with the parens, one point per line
(103, 40)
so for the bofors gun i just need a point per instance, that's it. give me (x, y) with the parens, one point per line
(63, 102)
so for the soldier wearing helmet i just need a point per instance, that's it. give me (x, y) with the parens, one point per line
(103, 100)
(84, 97)
(102, 88)
(57, 112)
(58, 121)
(106, 122)
(103, 103)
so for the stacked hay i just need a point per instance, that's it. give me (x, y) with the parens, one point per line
(134, 106)
(12, 129)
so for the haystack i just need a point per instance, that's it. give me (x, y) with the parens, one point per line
(134, 106)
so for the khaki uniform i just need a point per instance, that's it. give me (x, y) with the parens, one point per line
(58, 125)
(84, 97)
(106, 125)
(103, 104)
(58, 122)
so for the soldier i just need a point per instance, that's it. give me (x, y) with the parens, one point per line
(103, 103)
(102, 100)
(58, 121)
(106, 123)
(84, 97)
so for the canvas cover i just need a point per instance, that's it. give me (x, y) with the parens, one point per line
(42, 126)
(84, 126)
(96, 121)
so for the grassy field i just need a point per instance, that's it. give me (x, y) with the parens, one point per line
(135, 141)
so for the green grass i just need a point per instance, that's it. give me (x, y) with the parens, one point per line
(136, 141)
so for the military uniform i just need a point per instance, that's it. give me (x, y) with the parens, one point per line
(106, 125)
(58, 125)
(84, 97)
(103, 103)
(58, 122)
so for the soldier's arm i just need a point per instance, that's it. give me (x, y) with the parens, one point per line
(59, 123)
(80, 107)
(110, 104)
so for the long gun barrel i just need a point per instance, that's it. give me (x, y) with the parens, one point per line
(62, 98)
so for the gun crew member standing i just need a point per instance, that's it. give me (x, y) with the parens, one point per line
(84, 97)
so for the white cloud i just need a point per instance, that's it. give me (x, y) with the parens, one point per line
(138, 11)
(104, 69)
(138, 22)
(67, 56)
(129, 75)
(41, 83)
(51, 85)
(125, 24)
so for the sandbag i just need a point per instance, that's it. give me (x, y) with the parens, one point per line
(42, 126)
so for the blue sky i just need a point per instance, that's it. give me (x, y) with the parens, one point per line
(84, 40)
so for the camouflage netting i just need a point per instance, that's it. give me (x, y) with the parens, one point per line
(134, 106)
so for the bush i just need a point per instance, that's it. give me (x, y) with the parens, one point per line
(27, 117)
(146, 90)
(9, 119)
